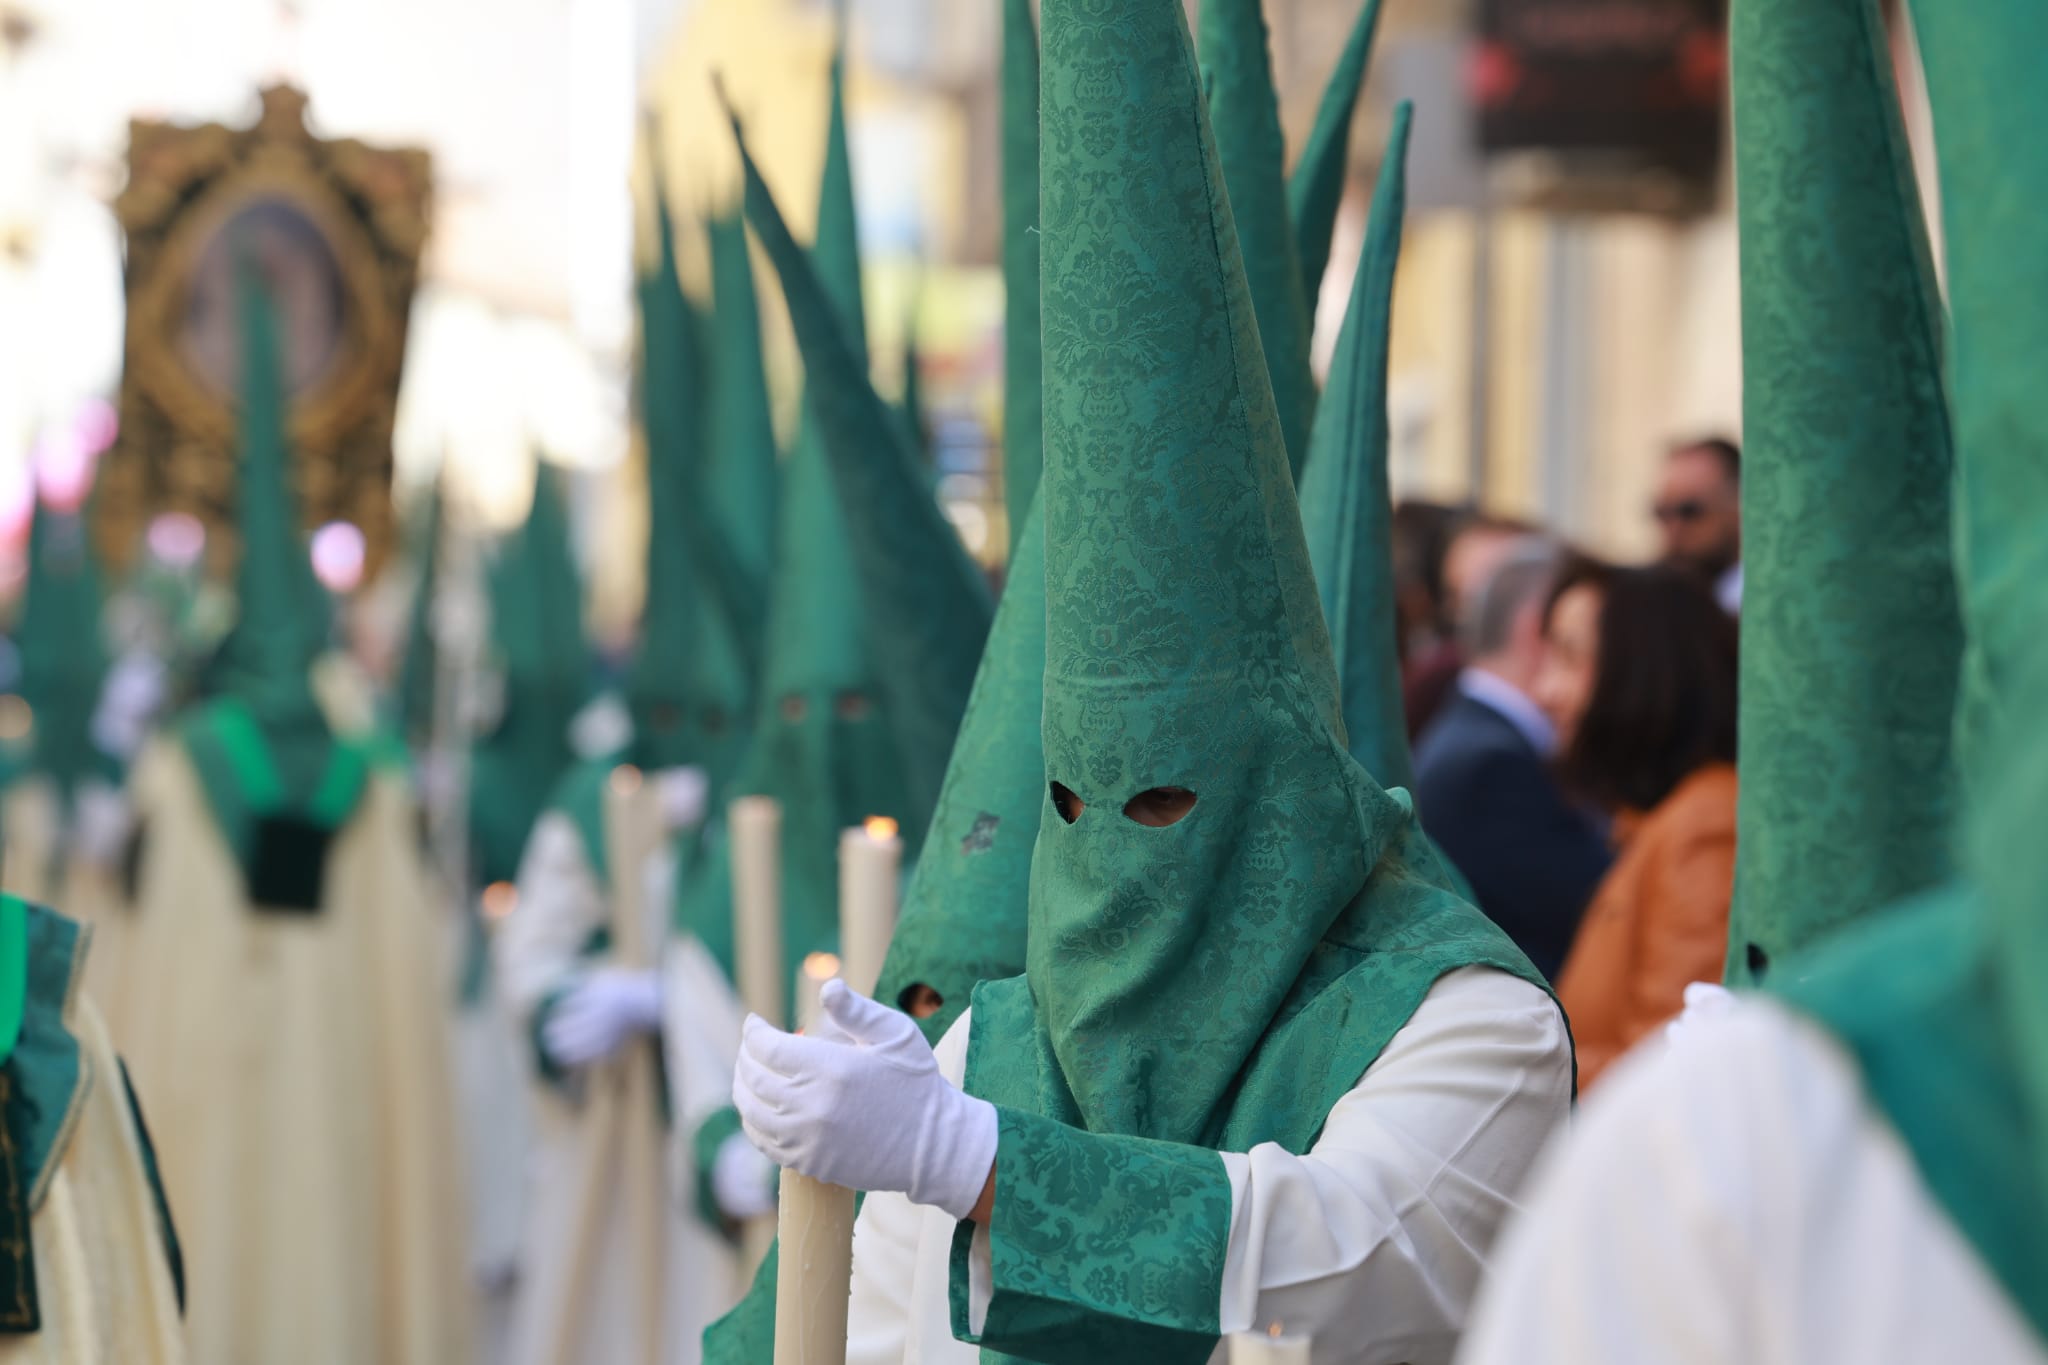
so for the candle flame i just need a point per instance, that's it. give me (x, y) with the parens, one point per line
(1274, 1331)
(625, 779)
(880, 828)
(499, 900)
(821, 966)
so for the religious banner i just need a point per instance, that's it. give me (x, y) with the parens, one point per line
(336, 228)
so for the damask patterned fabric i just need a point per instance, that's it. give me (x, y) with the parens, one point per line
(925, 605)
(1237, 71)
(963, 914)
(1850, 630)
(1945, 1004)
(1023, 371)
(1315, 189)
(1221, 981)
(1346, 505)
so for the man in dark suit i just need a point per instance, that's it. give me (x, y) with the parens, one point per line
(1482, 773)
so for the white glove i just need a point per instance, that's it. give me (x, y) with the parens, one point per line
(128, 702)
(101, 822)
(1705, 1002)
(742, 1180)
(861, 1103)
(603, 1013)
(684, 793)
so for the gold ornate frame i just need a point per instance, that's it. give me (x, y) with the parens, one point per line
(176, 451)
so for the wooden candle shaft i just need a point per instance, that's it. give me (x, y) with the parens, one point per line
(814, 1272)
(755, 828)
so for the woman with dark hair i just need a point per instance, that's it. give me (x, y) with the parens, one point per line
(1640, 682)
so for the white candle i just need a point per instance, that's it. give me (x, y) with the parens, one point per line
(818, 968)
(1268, 1348)
(754, 824)
(870, 880)
(814, 1275)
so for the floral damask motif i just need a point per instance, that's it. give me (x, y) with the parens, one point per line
(1850, 626)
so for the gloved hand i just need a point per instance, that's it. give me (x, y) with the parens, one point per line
(742, 1180)
(862, 1104)
(684, 792)
(601, 1014)
(1705, 1002)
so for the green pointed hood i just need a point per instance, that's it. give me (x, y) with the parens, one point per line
(536, 596)
(964, 911)
(1023, 368)
(740, 478)
(419, 673)
(63, 660)
(1315, 190)
(672, 409)
(1244, 109)
(836, 253)
(926, 606)
(1850, 626)
(260, 744)
(822, 744)
(1346, 504)
(1185, 648)
(266, 659)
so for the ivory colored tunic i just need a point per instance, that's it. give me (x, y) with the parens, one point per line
(294, 1071)
(598, 1202)
(1372, 1243)
(1731, 1200)
(102, 1276)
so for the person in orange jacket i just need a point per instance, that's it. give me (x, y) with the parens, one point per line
(1640, 682)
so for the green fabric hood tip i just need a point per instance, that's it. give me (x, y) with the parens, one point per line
(740, 480)
(1346, 502)
(536, 596)
(63, 657)
(1023, 369)
(261, 744)
(926, 604)
(1851, 630)
(1315, 189)
(673, 623)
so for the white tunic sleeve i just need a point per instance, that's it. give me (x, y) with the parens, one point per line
(539, 946)
(1729, 1199)
(1373, 1242)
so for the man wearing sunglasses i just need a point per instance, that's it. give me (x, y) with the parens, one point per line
(1699, 514)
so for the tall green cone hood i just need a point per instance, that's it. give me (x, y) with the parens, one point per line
(739, 481)
(964, 912)
(1988, 164)
(925, 603)
(672, 400)
(63, 660)
(1244, 108)
(265, 661)
(836, 253)
(1185, 644)
(1346, 504)
(823, 744)
(1023, 368)
(1850, 630)
(420, 671)
(537, 637)
(1316, 188)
